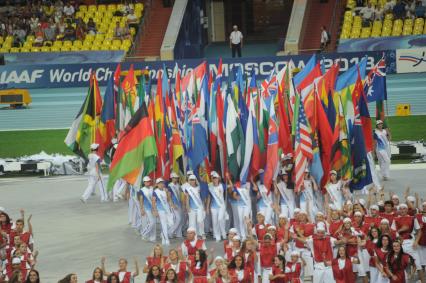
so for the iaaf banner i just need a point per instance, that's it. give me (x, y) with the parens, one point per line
(77, 75)
(411, 60)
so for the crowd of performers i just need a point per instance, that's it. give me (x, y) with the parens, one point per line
(277, 234)
(17, 255)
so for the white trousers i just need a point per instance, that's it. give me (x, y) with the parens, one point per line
(422, 254)
(218, 222)
(287, 210)
(323, 274)
(265, 274)
(149, 227)
(178, 223)
(196, 220)
(407, 246)
(384, 162)
(304, 204)
(268, 212)
(236, 221)
(93, 182)
(117, 190)
(136, 218)
(374, 274)
(308, 269)
(243, 212)
(164, 227)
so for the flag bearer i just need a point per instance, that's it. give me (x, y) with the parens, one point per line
(177, 209)
(148, 230)
(383, 152)
(95, 177)
(217, 205)
(162, 209)
(195, 206)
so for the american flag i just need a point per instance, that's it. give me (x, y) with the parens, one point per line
(303, 147)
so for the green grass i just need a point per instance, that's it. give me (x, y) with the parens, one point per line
(19, 143)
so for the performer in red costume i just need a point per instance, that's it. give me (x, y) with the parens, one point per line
(342, 267)
(122, 273)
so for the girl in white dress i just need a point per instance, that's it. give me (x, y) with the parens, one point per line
(383, 152)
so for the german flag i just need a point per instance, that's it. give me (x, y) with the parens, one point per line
(136, 151)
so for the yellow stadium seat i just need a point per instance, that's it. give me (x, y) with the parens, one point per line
(365, 32)
(102, 8)
(386, 31)
(9, 38)
(112, 7)
(99, 37)
(115, 47)
(65, 48)
(408, 22)
(45, 49)
(1, 39)
(67, 43)
(4, 50)
(89, 37)
(79, 14)
(35, 49)
(97, 42)
(82, 8)
(132, 31)
(124, 47)
(105, 47)
(138, 15)
(138, 6)
(95, 47)
(7, 45)
(14, 50)
(75, 48)
(116, 42)
(127, 42)
(85, 48)
(25, 50)
(77, 43)
(30, 38)
(120, 7)
(27, 44)
(107, 42)
(389, 16)
(92, 8)
(57, 43)
(356, 32)
(108, 15)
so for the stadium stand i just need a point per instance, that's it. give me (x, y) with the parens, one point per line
(382, 18)
(54, 27)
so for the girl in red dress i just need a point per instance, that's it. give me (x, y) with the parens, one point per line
(293, 268)
(342, 267)
(278, 270)
(283, 229)
(122, 273)
(396, 263)
(198, 267)
(238, 273)
(154, 275)
(156, 258)
(384, 245)
(113, 278)
(222, 276)
(97, 277)
(371, 245)
(218, 263)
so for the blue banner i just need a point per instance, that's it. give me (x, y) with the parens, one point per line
(72, 57)
(77, 75)
(382, 43)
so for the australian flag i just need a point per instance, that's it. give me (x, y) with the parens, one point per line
(375, 83)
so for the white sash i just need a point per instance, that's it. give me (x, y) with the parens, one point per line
(145, 192)
(243, 196)
(175, 189)
(283, 194)
(216, 195)
(195, 197)
(162, 196)
(264, 194)
(332, 192)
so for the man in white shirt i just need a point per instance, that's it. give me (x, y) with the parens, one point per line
(69, 10)
(236, 41)
(367, 14)
(95, 177)
(325, 39)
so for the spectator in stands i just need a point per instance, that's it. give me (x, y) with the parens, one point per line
(126, 8)
(2, 28)
(48, 9)
(420, 10)
(70, 278)
(121, 32)
(236, 41)
(399, 10)
(33, 277)
(91, 26)
(69, 32)
(69, 10)
(50, 31)
(80, 30)
(325, 38)
(367, 14)
(60, 28)
(58, 13)
(360, 3)
(39, 37)
(132, 19)
(20, 34)
(34, 21)
(378, 13)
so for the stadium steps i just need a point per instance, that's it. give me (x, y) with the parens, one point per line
(319, 14)
(150, 42)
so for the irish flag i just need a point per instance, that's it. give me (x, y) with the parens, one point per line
(136, 151)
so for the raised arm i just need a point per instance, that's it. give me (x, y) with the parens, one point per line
(103, 267)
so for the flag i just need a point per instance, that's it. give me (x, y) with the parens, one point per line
(83, 130)
(136, 151)
(302, 147)
(272, 148)
(375, 83)
(284, 133)
(129, 87)
(159, 126)
(249, 143)
(108, 115)
(213, 118)
(325, 89)
(234, 138)
(350, 76)
(307, 75)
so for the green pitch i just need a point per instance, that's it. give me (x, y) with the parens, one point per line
(19, 143)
